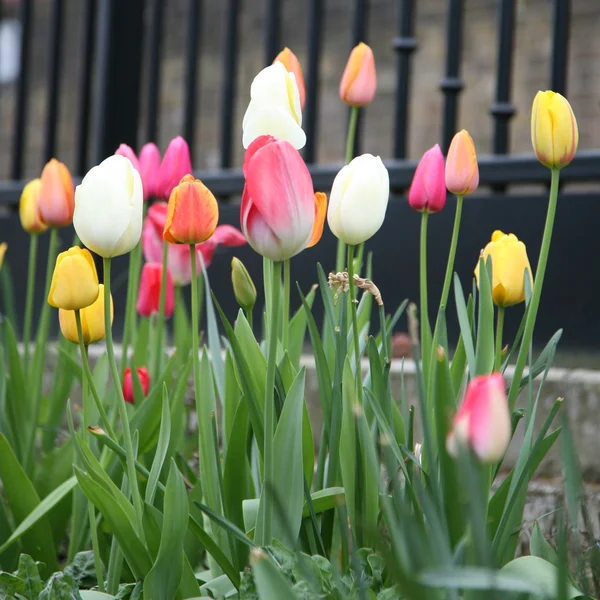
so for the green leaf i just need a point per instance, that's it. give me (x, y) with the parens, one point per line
(233, 397)
(60, 587)
(269, 580)
(544, 360)
(323, 500)
(161, 449)
(485, 326)
(83, 569)
(540, 547)
(297, 327)
(29, 574)
(465, 327)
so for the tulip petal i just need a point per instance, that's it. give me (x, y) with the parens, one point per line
(320, 214)
(261, 120)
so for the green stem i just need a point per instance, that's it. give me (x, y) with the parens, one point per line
(131, 476)
(385, 343)
(352, 309)
(537, 290)
(286, 303)
(452, 254)
(33, 248)
(425, 327)
(499, 331)
(133, 282)
(161, 313)
(249, 317)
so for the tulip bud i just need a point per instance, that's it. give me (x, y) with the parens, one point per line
(320, 214)
(274, 108)
(554, 132)
(509, 265)
(149, 295)
(144, 378)
(92, 321)
(3, 248)
(176, 164)
(428, 188)
(289, 60)
(358, 200)
(359, 81)
(482, 422)
(29, 208)
(243, 286)
(74, 280)
(56, 196)
(462, 172)
(192, 214)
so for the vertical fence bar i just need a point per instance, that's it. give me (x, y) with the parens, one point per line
(273, 30)
(359, 34)
(315, 37)
(193, 46)
(230, 53)
(451, 85)
(19, 131)
(404, 45)
(561, 17)
(156, 34)
(56, 27)
(85, 89)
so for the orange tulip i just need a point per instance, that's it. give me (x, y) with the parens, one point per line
(359, 80)
(320, 214)
(192, 213)
(57, 195)
(3, 248)
(29, 208)
(289, 60)
(462, 172)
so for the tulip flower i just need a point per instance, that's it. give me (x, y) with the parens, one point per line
(243, 286)
(275, 108)
(176, 164)
(192, 213)
(462, 172)
(358, 199)
(92, 321)
(428, 188)
(144, 378)
(29, 208)
(320, 214)
(74, 280)
(149, 295)
(359, 81)
(482, 422)
(278, 204)
(147, 165)
(56, 195)
(108, 207)
(554, 132)
(289, 60)
(509, 265)
(3, 248)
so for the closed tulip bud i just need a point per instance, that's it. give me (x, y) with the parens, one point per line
(144, 378)
(289, 60)
(510, 266)
(243, 286)
(359, 199)
(482, 422)
(428, 188)
(56, 196)
(29, 208)
(320, 214)
(74, 280)
(192, 213)
(359, 81)
(275, 108)
(3, 248)
(462, 171)
(554, 132)
(148, 302)
(108, 207)
(147, 165)
(92, 321)
(175, 165)
(278, 204)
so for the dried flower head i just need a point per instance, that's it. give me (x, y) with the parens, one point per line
(370, 287)
(339, 283)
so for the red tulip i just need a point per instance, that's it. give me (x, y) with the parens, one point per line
(176, 163)
(278, 204)
(144, 378)
(149, 295)
(428, 188)
(147, 165)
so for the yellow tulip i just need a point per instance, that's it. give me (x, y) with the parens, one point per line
(29, 208)
(92, 321)
(3, 247)
(554, 132)
(74, 281)
(509, 263)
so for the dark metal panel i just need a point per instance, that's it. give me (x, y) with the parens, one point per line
(192, 76)
(561, 17)
(272, 30)
(156, 35)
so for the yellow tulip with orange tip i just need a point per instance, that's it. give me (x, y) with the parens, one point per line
(92, 321)
(554, 132)
(74, 281)
(29, 208)
(57, 195)
(359, 81)
(509, 265)
(3, 248)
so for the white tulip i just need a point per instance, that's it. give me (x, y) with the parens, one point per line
(108, 207)
(358, 200)
(274, 108)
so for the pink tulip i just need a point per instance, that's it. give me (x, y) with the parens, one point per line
(483, 420)
(278, 203)
(428, 188)
(175, 165)
(146, 165)
(149, 295)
